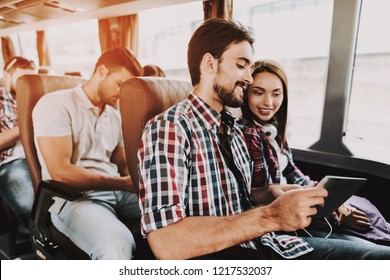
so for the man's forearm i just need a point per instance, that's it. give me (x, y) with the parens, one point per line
(197, 236)
(86, 179)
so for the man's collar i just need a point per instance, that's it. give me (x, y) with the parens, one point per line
(205, 112)
(208, 115)
(82, 95)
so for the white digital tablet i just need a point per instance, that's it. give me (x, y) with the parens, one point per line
(339, 190)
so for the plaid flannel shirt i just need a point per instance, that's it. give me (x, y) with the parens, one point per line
(266, 169)
(183, 172)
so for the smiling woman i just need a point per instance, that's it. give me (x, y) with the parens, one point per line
(264, 126)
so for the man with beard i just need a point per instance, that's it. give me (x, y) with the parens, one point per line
(15, 183)
(79, 142)
(195, 170)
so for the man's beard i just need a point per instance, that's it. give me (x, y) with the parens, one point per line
(227, 97)
(103, 98)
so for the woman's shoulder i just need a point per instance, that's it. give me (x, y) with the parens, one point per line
(246, 126)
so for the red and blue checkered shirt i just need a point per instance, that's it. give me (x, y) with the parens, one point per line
(266, 169)
(183, 172)
(8, 118)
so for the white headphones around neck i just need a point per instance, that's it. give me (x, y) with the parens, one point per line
(270, 130)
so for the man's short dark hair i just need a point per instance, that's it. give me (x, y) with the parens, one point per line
(214, 36)
(119, 57)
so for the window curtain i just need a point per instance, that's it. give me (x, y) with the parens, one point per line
(7, 48)
(218, 8)
(119, 32)
(43, 49)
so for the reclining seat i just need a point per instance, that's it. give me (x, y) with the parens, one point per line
(46, 240)
(31, 88)
(142, 98)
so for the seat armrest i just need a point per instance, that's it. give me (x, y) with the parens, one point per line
(40, 233)
(59, 189)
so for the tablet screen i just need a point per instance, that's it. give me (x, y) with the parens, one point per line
(339, 190)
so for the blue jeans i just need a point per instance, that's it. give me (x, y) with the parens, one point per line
(16, 189)
(92, 223)
(341, 246)
(334, 235)
(338, 249)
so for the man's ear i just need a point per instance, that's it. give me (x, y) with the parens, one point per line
(102, 70)
(210, 64)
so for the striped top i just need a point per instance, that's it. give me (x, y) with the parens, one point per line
(8, 118)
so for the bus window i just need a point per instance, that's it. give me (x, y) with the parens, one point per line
(24, 44)
(74, 45)
(164, 34)
(28, 46)
(297, 34)
(368, 124)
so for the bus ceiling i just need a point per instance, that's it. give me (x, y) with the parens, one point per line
(22, 15)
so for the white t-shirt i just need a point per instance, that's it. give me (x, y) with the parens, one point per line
(70, 112)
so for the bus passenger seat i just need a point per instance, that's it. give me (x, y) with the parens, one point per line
(141, 98)
(47, 242)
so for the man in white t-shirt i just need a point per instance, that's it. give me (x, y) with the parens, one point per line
(79, 142)
(16, 189)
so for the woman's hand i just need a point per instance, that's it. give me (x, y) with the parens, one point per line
(352, 218)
